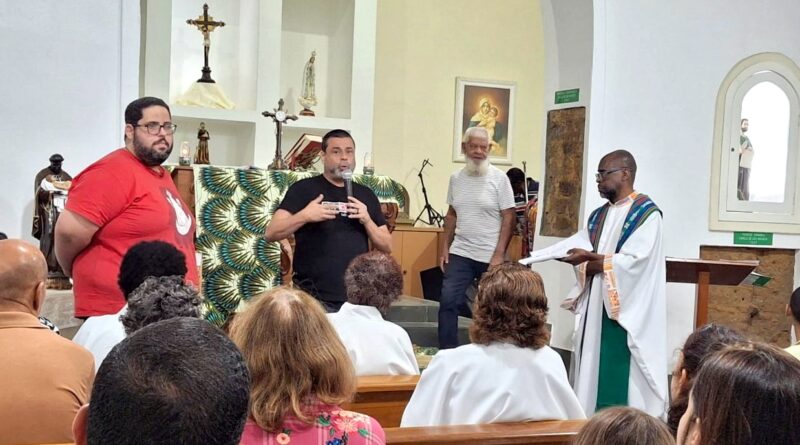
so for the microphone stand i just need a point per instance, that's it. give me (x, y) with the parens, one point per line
(434, 217)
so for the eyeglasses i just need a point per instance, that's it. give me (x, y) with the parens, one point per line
(601, 174)
(154, 127)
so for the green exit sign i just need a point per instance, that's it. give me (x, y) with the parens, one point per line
(752, 238)
(567, 96)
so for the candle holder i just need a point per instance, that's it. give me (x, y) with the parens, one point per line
(369, 168)
(184, 159)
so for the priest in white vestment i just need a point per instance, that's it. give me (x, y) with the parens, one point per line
(620, 339)
(508, 374)
(377, 347)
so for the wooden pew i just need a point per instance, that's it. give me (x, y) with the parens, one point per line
(548, 432)
(383, 397)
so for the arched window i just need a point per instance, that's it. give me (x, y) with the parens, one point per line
(755, 166)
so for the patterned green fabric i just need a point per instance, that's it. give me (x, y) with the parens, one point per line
(233, 207)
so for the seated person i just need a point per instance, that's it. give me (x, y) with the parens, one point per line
(700, 345)
(508, 373)
(623, 425)
(301, 373)
(178, 381)
(747, 394)
(377, 347)
(793, 314)
(45, 378)
(160, 298)
(146, 259)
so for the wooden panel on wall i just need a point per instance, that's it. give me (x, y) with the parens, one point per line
(563, 171)
(757, 312)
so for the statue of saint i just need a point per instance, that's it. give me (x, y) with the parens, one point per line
(201, 154)
(50, 194)
(308, 97)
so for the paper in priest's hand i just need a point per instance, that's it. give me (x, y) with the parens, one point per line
(559, 250)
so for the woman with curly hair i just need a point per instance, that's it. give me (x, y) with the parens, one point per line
(508, 373)
(377, 347)
(300, 374)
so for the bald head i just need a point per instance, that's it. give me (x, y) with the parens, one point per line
(23, 271)
(621, 158)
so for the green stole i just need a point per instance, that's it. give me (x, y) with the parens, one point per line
(615, 356)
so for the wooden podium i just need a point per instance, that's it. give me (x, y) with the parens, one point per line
(705, 273)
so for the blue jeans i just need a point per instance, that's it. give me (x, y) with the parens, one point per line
(459, 274)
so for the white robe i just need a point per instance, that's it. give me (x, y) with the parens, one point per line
(475, 384)
(376, 346)
(639, 271)
(100, 334)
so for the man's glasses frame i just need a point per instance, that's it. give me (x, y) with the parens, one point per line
(154, 127)
(601, 174)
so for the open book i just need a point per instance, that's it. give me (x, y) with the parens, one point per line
(559, 250)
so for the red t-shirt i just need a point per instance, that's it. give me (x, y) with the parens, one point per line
(130, 202)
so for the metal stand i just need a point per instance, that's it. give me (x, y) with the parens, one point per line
(434, 217)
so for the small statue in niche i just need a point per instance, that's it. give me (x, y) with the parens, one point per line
(308, 97)
(201, 154)
(50, 195)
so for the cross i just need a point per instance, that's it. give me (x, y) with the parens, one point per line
(205, 24)
(278, 116)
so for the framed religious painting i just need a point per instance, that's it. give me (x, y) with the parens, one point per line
(488, 104)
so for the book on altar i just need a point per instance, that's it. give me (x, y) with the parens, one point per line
(559, 250)
(304, 152)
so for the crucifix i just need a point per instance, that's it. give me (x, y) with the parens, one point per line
(278, 116)
(205, 24)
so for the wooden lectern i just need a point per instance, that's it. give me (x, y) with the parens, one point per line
(705, 273)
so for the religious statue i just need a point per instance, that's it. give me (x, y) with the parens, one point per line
(50, 190)
(206, 25)
(205, 92)
(201, 154)
(278, 116)
(308, 97)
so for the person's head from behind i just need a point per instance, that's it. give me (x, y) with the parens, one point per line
(700, 345)
(178, 381)
(517, 179)
(23, 272)
(510, 307)
(373, 279)
(745, 394)
(623, 426)
(294, 355)
(160, 298)
(149, 259)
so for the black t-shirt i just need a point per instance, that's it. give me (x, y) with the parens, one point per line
(323, 250)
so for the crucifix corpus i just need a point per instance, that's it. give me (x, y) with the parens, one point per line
(278, 116)
(206, 25)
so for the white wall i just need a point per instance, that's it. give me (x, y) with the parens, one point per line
(69, 69)
(657, 70)
(567, 28)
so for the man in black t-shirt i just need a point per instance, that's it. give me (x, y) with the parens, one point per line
(330, 228)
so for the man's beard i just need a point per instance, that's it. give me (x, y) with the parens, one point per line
(148, 155)
(476, 168)
(610, 195)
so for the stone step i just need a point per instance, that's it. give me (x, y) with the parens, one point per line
(425, 333)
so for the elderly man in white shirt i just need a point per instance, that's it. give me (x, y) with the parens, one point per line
(377, 347)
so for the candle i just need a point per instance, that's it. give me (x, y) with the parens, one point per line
(369, 169)
(184, 158)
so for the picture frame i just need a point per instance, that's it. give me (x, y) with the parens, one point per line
(489, 104)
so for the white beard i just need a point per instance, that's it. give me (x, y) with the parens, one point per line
(476, 168)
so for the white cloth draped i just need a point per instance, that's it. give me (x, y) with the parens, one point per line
(376, 346)
(475, 384)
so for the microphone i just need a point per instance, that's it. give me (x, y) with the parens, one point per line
(347, 175)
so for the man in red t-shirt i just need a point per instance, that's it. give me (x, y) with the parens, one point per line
(122, 199)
